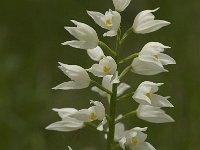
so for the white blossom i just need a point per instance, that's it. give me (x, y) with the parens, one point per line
(147, 65)
(110, 21)
(96, 54)
(153, 114)
(120, 5)
(73, 119)
(69, 148)
(67, 124)
(107, 83)
(145, 94)
(78, 75)
(86, 35)
(151, 60)
(106, 66)
(155, 49)
(119, 131)
(145, 22)
(135, 139)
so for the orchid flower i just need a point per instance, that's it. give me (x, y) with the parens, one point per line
(145, 23)
(145, 94)
(151, 60)
(86, 35)
(107, 83)
(106, 66)
(78, 75)
(110, 21)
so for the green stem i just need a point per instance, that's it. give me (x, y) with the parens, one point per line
(110, 139)
(94, 126)
(125, 96)
(100, 87)
(113, 100)
(128, 58)
(126, 116)
(125, 71)
(126, 34)
(107, 48)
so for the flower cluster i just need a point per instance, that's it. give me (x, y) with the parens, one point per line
(151, 60)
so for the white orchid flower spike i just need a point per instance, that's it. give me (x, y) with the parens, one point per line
(106, 66)
(120, 5)
(145, 94)
(78, 75)
(86, 35)
(145, 23)
(110, 21)
(153, 114)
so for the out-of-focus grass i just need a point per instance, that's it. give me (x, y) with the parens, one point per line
(30, 35)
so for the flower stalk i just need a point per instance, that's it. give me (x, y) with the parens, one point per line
(113, 101)
(107, 48)
(100, 87)
(128, 58)
(124, 72)
(126, 116)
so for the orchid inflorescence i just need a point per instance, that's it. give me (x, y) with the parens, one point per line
(149, 61)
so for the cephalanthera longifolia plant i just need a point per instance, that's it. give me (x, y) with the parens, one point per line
(149, 61)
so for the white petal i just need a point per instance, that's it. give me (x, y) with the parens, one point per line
(69, 148)
(80, 44)
(110, 33)
(147, 65)
(65, 112)
(122, 88)
(100, 126)
(153, 48)
(122, 143)
(99, 109)
(160, 101)
(99, 91)
(119, 131)
(120, 5)
(96, 54)
(69, 86)
(165, 59)
(69, 124)
(153, 114)
(82, 115)
(151, 26)
(98, 17)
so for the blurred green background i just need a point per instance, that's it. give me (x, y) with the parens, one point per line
(30, 35)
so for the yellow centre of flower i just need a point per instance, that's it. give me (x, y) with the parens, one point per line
(106, 69)
(93, 116)
(148, 95)
(108, 23)
(156, 56)
(134, 141)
